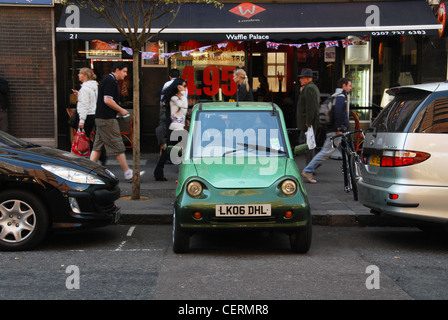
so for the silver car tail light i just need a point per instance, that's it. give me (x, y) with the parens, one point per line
(393, 158)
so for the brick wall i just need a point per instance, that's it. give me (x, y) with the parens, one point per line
(26, 62)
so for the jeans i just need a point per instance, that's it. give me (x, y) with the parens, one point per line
(324, 153)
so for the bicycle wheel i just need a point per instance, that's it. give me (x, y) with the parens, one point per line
(345, 167)
(353, 177)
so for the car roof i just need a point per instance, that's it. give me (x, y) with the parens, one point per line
(430, 87)
(232, 106)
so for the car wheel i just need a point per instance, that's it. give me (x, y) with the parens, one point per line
(23, 220)
(181, 238)
(300, 239)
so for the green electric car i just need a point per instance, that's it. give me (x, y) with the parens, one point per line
(238, 172)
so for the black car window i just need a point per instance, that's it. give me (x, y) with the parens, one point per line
(397, 114)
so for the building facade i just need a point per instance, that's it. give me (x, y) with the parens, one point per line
(377, 44)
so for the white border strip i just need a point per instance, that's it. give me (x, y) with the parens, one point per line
(262, 30)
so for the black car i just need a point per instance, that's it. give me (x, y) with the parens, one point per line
(42, 188)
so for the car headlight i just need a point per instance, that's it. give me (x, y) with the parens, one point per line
(194, 188)
(72, 175)
(289, 187)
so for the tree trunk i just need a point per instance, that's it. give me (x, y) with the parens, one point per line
(136, 130)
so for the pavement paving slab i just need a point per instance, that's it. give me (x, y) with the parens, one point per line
(330, 205)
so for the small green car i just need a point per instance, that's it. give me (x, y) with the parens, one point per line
(238, 172)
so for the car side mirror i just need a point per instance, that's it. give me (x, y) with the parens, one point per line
(301, 149)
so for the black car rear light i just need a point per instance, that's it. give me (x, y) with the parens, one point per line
(393, 158)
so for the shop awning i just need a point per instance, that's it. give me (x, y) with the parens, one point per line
(271, 22)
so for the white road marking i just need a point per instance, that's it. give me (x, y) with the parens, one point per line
(131, 230)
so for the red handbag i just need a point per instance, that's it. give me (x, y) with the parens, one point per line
(81, 144)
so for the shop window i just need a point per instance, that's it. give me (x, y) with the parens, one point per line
(152, 55)
(276, 69)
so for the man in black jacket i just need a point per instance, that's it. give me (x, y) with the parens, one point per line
(340, 123)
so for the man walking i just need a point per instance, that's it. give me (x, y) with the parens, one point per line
(339, 123)
(107, 131)
(307, 108)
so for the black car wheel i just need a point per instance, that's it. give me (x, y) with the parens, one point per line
(23, 220)
(301, 238)
(181, 238)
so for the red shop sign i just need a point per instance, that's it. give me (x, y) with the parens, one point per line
(213, 80)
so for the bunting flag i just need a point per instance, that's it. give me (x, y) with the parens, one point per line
(269, 44)
(167, 55)
(113, 45)
(347, 42)
(128, 50)
(272, 45)
(329, 44)
(222, 44)
(312, 45)
(148, 55)
(187, 53)
(202, 49)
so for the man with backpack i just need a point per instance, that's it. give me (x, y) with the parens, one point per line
(338, 122)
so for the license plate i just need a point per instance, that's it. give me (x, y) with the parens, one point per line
(375, 160)
(243, 210)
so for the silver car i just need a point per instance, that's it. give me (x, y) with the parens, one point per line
(405, 155)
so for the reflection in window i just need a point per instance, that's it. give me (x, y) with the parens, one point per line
(435, 119)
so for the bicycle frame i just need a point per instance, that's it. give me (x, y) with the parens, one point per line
(351, 161)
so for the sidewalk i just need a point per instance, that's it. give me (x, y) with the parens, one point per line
(330, 205)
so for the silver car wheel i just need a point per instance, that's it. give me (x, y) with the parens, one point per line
(17, 221)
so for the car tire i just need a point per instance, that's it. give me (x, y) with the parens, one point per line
(24, 220)
(300, 239)
(181, 238)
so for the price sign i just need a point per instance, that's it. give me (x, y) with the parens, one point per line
(213, 80)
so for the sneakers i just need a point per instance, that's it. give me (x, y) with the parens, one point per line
(128, 176)
(307, 177)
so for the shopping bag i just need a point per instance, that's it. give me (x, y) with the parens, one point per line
(310, 141)
(81, 144)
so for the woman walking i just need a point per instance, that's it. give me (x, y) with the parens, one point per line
(244, 91)
(87, 97)
(178, 106)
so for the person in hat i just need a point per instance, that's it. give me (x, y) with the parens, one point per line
(307, 107)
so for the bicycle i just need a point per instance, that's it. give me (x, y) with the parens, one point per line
(351, 161)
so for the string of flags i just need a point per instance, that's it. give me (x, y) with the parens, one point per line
(269, 44)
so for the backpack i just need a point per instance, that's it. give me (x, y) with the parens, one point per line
(326, 110)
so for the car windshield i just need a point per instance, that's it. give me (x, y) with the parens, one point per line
(10, 141)
(396, 115)
(238, 133)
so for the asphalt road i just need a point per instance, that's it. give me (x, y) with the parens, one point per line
(137, 263)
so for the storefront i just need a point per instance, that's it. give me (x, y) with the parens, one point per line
(27, 66)
(272, 41)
